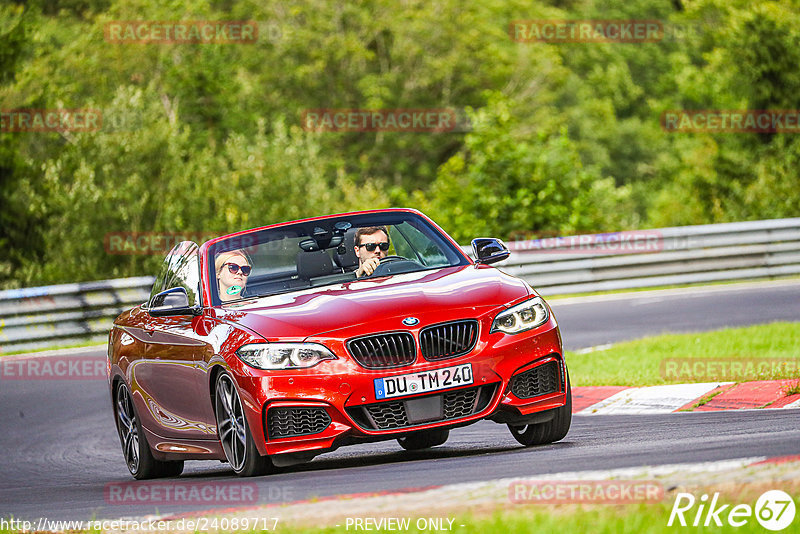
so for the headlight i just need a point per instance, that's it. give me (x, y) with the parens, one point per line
(271, 356)
(523, 316)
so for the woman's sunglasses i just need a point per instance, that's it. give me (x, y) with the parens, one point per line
(233, 268)
(371, 246)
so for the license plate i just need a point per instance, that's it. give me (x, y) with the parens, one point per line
(414, 383)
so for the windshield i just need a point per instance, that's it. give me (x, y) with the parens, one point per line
(326, 252)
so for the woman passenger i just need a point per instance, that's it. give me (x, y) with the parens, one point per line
(232, 269)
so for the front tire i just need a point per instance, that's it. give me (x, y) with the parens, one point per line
(547, 432)
(424, 439)
(138, 457)
(234, 434)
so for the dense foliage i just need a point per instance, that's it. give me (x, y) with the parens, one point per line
(208, 137)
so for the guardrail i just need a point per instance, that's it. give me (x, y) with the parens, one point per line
(58, 315)
(666, 256)
(39, 317)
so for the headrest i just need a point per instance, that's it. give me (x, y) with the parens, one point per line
(313, 264)
(349, 259)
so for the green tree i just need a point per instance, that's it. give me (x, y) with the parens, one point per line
(508, 184)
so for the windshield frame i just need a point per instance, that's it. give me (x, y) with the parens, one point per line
(249, 240)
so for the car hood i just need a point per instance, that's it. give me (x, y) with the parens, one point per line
(311, 312)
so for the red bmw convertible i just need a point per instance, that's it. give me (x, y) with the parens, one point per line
(270, 346)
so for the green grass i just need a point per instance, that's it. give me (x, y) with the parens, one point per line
(703, 400)
(639, 363)
(793, 388)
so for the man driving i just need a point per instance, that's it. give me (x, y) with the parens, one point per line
(371, 244)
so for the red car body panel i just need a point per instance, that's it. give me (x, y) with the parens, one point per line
(169, 363)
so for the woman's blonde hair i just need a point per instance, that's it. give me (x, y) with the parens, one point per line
(225, 257)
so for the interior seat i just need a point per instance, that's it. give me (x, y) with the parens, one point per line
(313, 264)
(347, 261)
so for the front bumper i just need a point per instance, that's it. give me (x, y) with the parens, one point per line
(314, 410)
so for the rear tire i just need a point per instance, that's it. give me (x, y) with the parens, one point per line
(424, 439)
(234, 434)
(138, 457)
(550, 431)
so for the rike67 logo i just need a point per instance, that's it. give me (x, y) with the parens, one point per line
(774, 510)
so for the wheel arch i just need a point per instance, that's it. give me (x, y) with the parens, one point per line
(213, 375)
(116, 380)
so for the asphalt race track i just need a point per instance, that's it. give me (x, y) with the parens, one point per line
(611, 318)
(60, 449)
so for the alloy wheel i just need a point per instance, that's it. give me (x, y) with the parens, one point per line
(128, 429)
(230, 422)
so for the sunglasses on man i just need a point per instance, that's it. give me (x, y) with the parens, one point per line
(233, 268)
(371, 246)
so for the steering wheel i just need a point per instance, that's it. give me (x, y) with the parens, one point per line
(390, 259)
(386, 260)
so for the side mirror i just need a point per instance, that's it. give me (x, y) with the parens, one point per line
(489, 250)
(174, 301)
